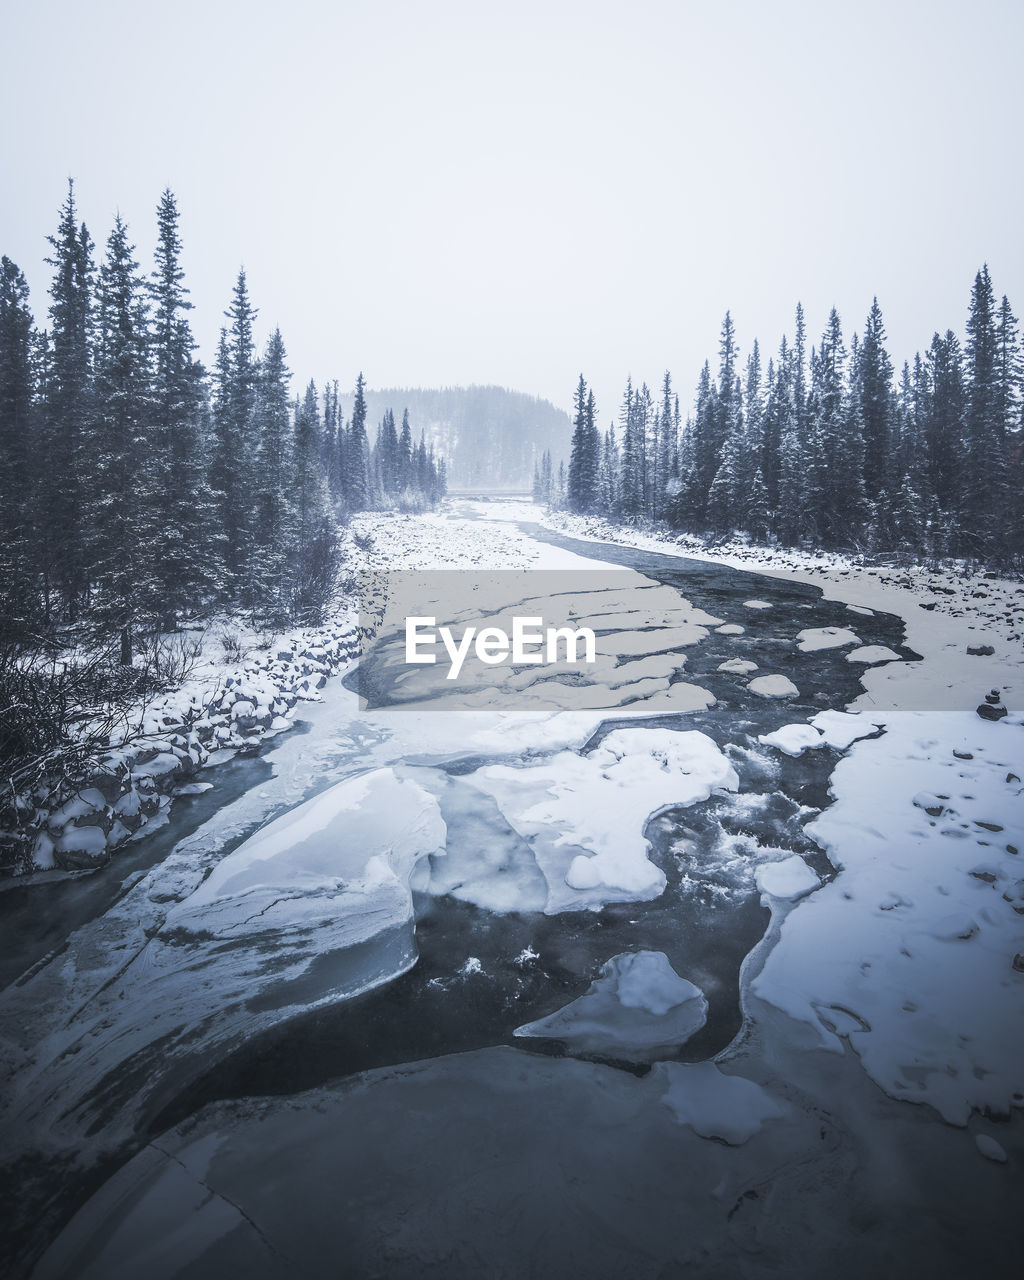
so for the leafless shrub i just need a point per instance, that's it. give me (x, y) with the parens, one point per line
(235, 649)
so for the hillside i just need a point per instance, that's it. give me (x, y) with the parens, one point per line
(489, 435)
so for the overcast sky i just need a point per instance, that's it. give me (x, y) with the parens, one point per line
(458, 191)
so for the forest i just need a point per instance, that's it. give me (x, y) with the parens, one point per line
(825, 447)
(138, 486)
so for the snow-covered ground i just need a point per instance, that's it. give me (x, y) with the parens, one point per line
(899, 978)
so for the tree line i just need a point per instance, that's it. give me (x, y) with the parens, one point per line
(137, 487)
(827, 446)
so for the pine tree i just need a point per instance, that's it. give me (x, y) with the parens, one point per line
(873, 375)
(357, 450)
(985, 488)
(68, 413)
(273, 532)
(580, 491)
(233, 444)
(405, 454)
(309, 499)
(18, 460)
(119, 506)
(182, 518)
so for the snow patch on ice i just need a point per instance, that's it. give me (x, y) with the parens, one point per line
(870, 653)
(774, 686)
(638, 1008)
(584, 815)
(713, 1104)
(789, 879)
(812, 639)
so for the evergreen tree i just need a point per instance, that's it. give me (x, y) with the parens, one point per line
(124, 494)
(405, 454)
(984, 483)
(309, 499)
(181, 521)
(873, 376)
(357, 450)
(68, 413)
(233, 444)
(581, 486)
(18, 460)
(273, 525)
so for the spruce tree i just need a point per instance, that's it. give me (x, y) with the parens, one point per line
(182, 518)
(68, 414)
(19, 461)
(273, 526)
(984, 481)
(233, 446)
(120, 504)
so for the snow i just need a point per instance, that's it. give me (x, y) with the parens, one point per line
(584, 815)
(830, 728)
(774, 686)
(872, 653)
(916, 935)
(737, 666)
(364, 830)
(814, 638)
(713, 1104)
(789, 879)
(893, 982)
(841, 728)
(638, 1009)
(793, 739)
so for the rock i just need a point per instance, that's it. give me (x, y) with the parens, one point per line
(989, 712)
(1018, 963)
(81, 848)
(980, 650)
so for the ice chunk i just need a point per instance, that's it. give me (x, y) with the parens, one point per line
(713, 1104)
(773, 687)
(370, 827)
(756, 604)
(814, 638)
(841, 728)
(872, 653)
(793, 739)
(791, 878)
(989, 1148)
(731, 629)
(737, 666)
(584, 815)
(638, 1008)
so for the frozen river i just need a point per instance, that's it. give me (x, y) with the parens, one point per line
(297, 1052)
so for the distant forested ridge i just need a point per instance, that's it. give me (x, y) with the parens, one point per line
(490, 437)
(824, 445)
